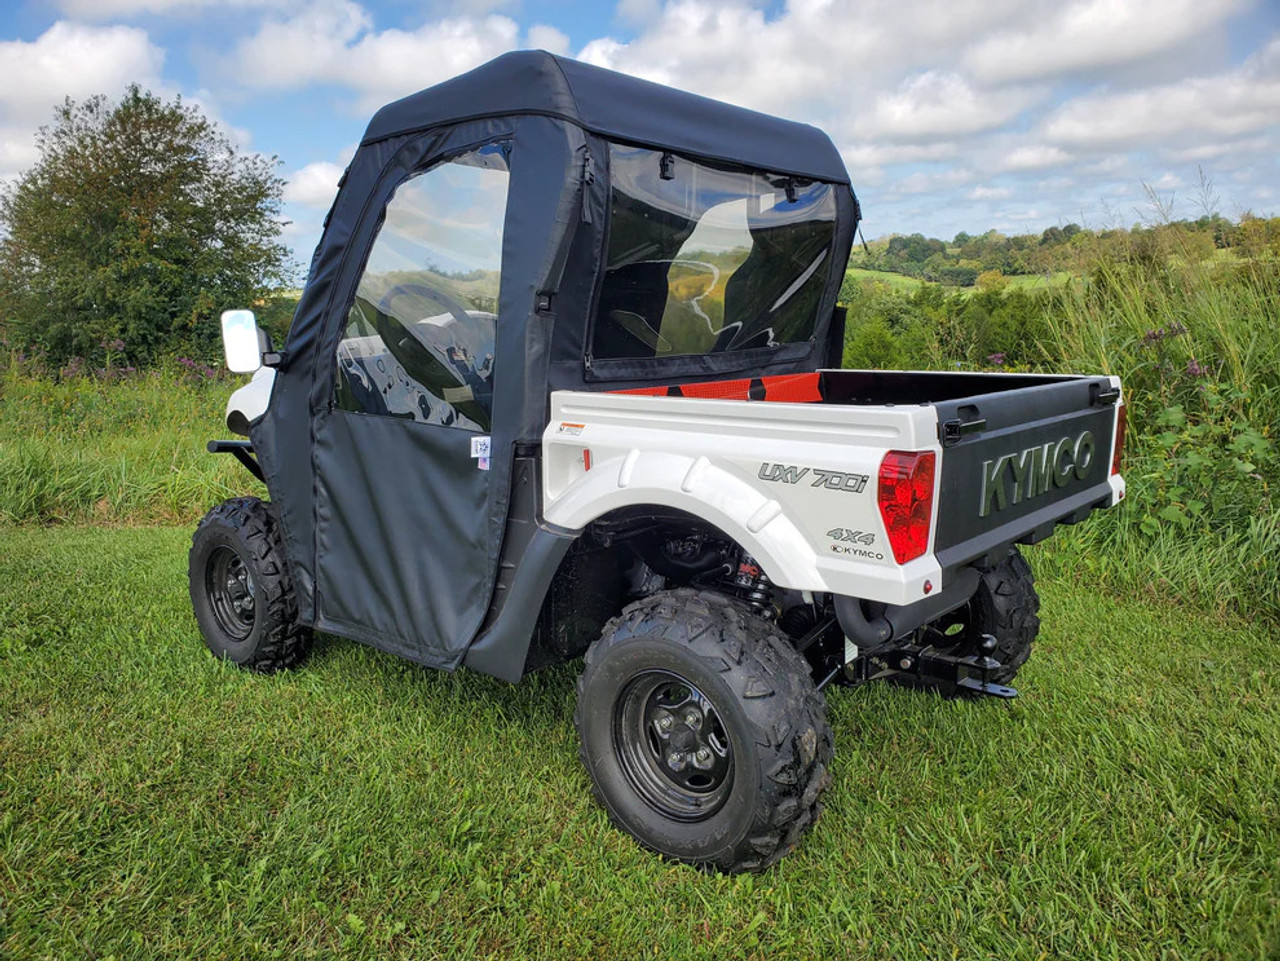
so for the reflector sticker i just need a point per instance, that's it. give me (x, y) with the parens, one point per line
(480, 450)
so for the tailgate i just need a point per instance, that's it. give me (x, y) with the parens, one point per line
(1015, 464)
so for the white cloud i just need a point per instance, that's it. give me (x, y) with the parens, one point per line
(1089, 34)
(542, 37)
(601, 52)
(732, 51)
(1232, 104)
(1218, 149)
(928, 181)
(974, 89)
(314, 185)
(67, 60)
(72, 60)
(983, 192)
(1112, 164)
(303, 49)
(333, 41)
(114, 9)
(1035, 157)
(876, 154)
(17, 151)
(935, 104)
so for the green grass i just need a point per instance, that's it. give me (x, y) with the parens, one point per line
(1038, 281)
(127, 451)
(898, 282)
(155, 802)
(909, 285)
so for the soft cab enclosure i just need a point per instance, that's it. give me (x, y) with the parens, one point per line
(495, 238)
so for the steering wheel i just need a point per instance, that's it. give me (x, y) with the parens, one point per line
(424, 292)
(425, 361)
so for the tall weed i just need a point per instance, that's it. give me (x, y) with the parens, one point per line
(1193, 333)
(125, 449)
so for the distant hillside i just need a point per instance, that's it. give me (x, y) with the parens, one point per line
(961, 261)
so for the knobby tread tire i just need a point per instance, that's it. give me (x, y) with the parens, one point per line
(1008, 607)
(277, 641)
(773, 690)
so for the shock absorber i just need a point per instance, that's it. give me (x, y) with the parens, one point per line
(753, 585)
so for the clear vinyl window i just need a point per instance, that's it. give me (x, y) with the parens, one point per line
(705, 259)
(419, 339)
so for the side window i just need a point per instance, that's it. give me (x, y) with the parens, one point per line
(419, 339)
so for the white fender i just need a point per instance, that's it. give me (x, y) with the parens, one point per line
(756, 522)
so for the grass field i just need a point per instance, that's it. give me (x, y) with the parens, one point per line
(1038, 281)
(125, 452)
(899, 282)
(909, 285)
(154, 802)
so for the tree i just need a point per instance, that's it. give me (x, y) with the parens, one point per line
(139, 223)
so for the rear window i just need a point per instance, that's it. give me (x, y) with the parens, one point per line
(706, 259)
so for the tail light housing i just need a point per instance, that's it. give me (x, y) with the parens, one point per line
(1118, 448)
(905, 496)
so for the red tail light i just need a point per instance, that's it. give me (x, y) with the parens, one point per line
(1119, 445)
(906, 501)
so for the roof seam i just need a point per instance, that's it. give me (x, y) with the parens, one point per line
(568, 86)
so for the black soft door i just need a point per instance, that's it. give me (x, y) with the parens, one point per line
(404, 499)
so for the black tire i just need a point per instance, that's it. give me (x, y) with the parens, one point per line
(1006, 606)
(760, 720)
(240, 588)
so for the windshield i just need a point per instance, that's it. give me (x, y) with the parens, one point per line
(705, 260)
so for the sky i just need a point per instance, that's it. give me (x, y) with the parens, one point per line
(951, 115)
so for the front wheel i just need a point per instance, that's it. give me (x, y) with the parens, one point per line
(703, 732)
(240, 588)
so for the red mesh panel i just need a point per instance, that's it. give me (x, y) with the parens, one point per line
(792, 388)
(719, 389)
(644, 391)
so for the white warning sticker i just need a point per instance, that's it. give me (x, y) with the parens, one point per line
(480, 447)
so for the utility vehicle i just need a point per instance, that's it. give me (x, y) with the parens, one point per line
(564, 379)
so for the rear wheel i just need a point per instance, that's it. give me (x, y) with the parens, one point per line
(1006, 606)
(702, 731)
(241, 592)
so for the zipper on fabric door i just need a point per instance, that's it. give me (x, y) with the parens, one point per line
(588, 179)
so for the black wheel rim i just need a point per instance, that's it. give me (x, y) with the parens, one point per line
(229, 586)
(672, 746)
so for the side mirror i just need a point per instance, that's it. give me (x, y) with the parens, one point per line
(242, 341)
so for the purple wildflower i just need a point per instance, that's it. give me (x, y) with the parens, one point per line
(997, 359)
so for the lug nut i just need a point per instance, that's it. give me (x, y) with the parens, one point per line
(664, 722)
(675, 760)
(691, 719)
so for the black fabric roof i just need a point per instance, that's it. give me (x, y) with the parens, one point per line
(617, 106)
